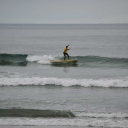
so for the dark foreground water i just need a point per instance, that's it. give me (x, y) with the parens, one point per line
(92, 93)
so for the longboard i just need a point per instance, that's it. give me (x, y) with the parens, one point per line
(69, 61)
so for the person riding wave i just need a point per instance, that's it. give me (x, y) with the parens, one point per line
(65, 52)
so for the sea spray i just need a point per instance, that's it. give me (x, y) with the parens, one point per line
(45, 59)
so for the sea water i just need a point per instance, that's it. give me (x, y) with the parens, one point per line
(95, 90)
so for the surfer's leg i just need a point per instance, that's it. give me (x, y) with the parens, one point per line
(64, 56)
(67, 55)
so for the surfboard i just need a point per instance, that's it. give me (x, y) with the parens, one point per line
(69, 61)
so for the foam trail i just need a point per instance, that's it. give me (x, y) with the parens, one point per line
(45, 59)
(64, 82)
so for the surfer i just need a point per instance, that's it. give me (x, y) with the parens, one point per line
(65, 52)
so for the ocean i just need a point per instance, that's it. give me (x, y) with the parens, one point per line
(91, 93)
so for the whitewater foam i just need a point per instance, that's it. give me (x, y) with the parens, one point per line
(101, 115)
(88, 122)
(64, 82)
(45, 59)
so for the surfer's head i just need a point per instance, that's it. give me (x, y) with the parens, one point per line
(67, 46)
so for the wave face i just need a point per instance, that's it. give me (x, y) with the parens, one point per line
(13, 59)
(102, 59)
(97, 61)
(83, 61)
(37, 81)
(34, 113)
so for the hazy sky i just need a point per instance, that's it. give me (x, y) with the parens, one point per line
(63, 11)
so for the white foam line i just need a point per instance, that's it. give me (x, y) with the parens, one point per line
(45, 59)
(64, 122)
(64, 82)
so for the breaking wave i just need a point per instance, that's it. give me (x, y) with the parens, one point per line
(83, 61)
(45, 59)
(111, 120)
(37, 81)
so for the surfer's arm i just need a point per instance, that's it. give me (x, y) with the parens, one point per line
(68, 48)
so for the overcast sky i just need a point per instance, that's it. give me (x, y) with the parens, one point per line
(63, 11)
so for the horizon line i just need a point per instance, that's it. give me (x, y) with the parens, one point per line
(60, 23)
